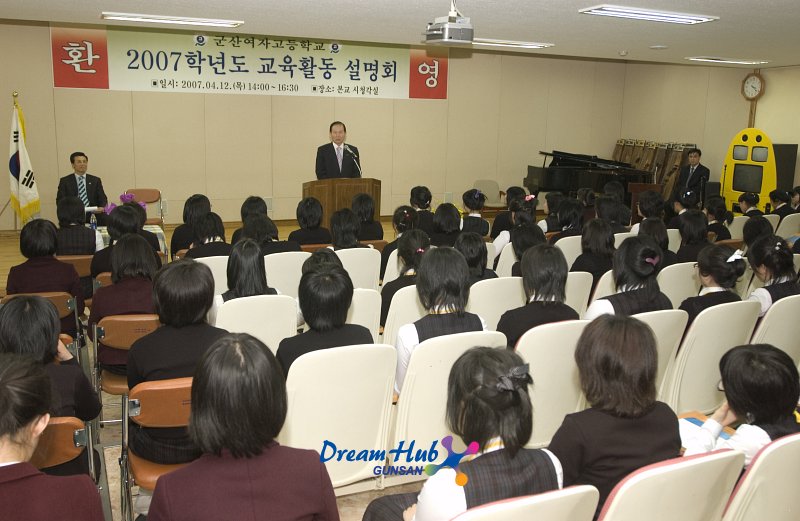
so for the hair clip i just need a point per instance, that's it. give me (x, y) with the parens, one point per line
(420, 250)
(514, 379)
(530, 197)
(737, 255)
(652, 260)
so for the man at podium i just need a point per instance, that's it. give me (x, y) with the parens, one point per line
(337, 158)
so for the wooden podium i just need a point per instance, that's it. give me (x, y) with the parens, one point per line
(337, 193)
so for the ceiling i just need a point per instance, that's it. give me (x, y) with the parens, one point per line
(746, 29)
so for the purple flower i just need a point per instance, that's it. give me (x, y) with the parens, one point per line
(126, 198)
(107, 209)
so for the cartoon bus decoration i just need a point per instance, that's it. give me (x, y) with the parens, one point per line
(749, 167)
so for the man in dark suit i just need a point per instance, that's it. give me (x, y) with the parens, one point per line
(86, 187)
(694, 176)
(338, 159)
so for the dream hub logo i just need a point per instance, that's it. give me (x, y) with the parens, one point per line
(404, 454)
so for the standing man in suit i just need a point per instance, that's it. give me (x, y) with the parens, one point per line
(86, 187)
(694, 176)
(337, 158)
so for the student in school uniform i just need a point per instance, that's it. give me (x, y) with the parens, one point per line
(345, 227)
(694, 235)
(210, 233)
(684, 202)
(309, 217)
(748, 202)
(523, 211)
(411, 247)
(195, 207)
(657, 231)
(719, 268)
(502, 220)
(755, 228)
(550, 208)
(253, 205)
(473, 248)
(609, 209)
(473, 201)
(773, 263)
(446, 225)
(570, 217)
(420, 200)
(364, 207)
(404, 219)
(597, 250)
(523, 238)
(650, 205)
(781, 203)
(719, 218)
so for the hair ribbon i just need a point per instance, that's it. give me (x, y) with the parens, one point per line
(652, 260)
(737, 255)
(514, 379)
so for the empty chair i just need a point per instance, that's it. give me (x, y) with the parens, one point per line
(605, 286)
(284, 270)
(578, 289)
(363, 265)
(219, 270)
(737, 227)
(668, 326)
(506, 262)
(695, 488)
(149, 196)
(674, 239)
(491, 298)
(570, 247)
(773, 219)
(365, 310)
(269, 318)
(491, 189)
(778, 327)
(679, 282)
(789, 226)
(392, 268)
(405, 309)
(573, 503)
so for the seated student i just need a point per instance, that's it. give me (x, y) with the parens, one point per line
(523, 238)
(210, 242)
(597, 250)
(413, 245)
(795, 198)
(262, 229)
(570, 216)
(132, 272)
(183, 291)
(27, 493)
(247, 276)
(73, 238)
(473, 201)
(761, 389)
(609, 209)
(684, 202)
(420, 200)
(657, 231)
(617, 191)
(446, 225)
(636, 263)
(121, 221)
(325, 296)
(625, 428)
(719, 218)
(251, 206)
(364, 207)
(755, 228)
(42, 271)
(586, 197)
(309, 217)
(651, 204)
(473, 248)
(781, 203)
(488, 402)
(404, 219)
(502, 221)
(773, 264)
(719, 268)
(29, 326)
(748, 202)
(694, 235)
(550, 208)
(195, 207)
(523, 211)
(443, 289)
(141, 213)
(544, 277)
(344, 230)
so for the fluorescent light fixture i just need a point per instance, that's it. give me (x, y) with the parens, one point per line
(732, 61)
(177, 20)
(650, 15)
(491, 42)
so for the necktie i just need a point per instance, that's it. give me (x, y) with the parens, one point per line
(82, 190)
(339, 157)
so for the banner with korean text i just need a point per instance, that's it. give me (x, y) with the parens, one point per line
(165, 61)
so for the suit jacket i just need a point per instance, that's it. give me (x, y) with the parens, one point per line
(693, 184)
(68, 186)
(328, 166)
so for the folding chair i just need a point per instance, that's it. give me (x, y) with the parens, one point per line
(365, 310)
(789, 226)
(219, 270)
(507, 260)
(578, 290)
(778, 327)
(404, 309)
(63, 440)
(572, 503)
(605, 286)
(83, 265)
(571, 248)
(284, 271)
(102, 280)
(269, 318)
(65, 305)
(493, 297)
(363, 265)
(679, 282)
(149, 196)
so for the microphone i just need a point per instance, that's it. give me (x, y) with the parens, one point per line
(347, 147)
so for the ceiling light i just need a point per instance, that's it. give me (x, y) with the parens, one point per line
(636, 13)
(732, 61)
(491, 42)
(177, 20)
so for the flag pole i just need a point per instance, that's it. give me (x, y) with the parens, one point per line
(14, 96)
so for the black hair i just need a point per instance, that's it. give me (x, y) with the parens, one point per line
(544, 273)
(487, 397)
(473, 248)
(141, 214)
(309, 213)
(364, 207)
(195, 207)
(597, 238)
(260, 228)
(570, 214)
(514, 192)
(443, 281)
(796, 190)
(749, 198)
(70, 210)
(29, 325)
(209, 227)
(405, 218)
(553, 199)
(694, 227)
(253, 205)
(183, 292)
(473, 199)
(38, 238)
(73, 155)
(247, 275)
(239, 400)
(523, 209)
(636, 263)
(524, 236)
(330, 128)
(651, 204)
(447, 218)
(121, 221)
(694, 151)
(320, 258)
(411, 246)
(755, 228)
(609, 209)
(773, 253)
(616, 190)
(688, 199)
(781, 196)
(715, 207)
(132, 257)
(586, 196)
(656, 230)
(25, 394)
(344, 228)
(325, 295)
(421, 197)
(712, 261)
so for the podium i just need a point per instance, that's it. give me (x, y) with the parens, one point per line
(337, 193)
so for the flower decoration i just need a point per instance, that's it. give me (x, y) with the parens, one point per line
(123, 198)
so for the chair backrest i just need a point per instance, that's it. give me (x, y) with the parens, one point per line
(556, 392)
(743, 284)
(773, 219)
(493, 297)
(363, 265)
(605, 286)
(490, 255)
(161, 403)
(737, 226)
(378, 244)
(62, 440)
(572, 503)
(789, 226)
(63, 301)
(392, 267)
(507, 260)
(694, 488)
(491, 189)
(365, 310)
(768, 489)
(284, 270)
(404, 309)
(619, 237)
(269, 318)
(692, 382)
(103, 280)
(81, 263)
(181, 253)
(778, 327)
(578, 290)
(674, 239)
(571, 248)
(121, 331)
(668, 326)
(679, 282)
(149, 196)
(352, 387)
(219, 269)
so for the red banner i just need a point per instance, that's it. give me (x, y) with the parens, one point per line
(427, 75)
(80, 57)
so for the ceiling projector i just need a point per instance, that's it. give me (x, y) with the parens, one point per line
(452, 29)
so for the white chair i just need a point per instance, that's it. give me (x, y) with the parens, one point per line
(578, 290)
(420, 412)
(737, 226)
(668, 326)
(674, 239)
(491, 298)
(365, 310)
(404, 309)
(694, 488)
(284, 270)
(773, 219)
(491, 189)
(363, 265)
(572, 503)
(393, 267)
(789, 226)
(679, 282)
(743, 284)
(619, 237)
(219, 269)
(550, 351)
(506, 262)
(691, 384)
(342, 397)
(605, 286)
(269, 318)
(571, 248)
(490, 255)
(778, 327)
(768, 489)
(756, 283)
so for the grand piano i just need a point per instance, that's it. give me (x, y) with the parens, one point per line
(567, 172)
